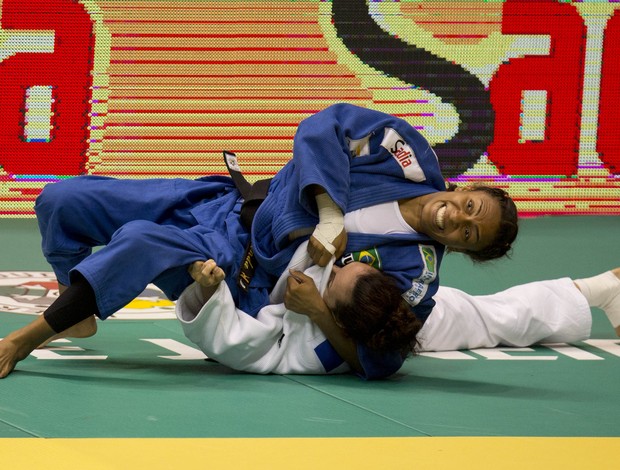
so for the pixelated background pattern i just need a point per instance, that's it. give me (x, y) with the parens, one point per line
(519, 94)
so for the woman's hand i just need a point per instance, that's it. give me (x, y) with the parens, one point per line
(329, 237)
(321, 255)
(206, 273)
(303, 297)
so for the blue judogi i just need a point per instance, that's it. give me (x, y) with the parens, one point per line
(154, 229)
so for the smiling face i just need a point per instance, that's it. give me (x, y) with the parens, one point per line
(461, 220)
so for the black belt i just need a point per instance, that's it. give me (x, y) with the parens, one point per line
(253, 195)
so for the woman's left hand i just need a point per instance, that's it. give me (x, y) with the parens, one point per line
(302, 295)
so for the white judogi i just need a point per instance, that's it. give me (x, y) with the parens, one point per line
(544, 311)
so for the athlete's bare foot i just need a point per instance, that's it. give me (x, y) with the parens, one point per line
(83, 329)
(603, 291)
(18, 344)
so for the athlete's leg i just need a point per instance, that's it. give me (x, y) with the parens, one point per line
(139, 253)
(84, 329)
(142, 252)
(79, 213)
(545, 311)
(82, 212)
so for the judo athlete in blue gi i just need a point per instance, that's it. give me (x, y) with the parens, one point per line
(373, 167)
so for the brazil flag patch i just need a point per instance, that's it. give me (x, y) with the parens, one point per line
(370, 257)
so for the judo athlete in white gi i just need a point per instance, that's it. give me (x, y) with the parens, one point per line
(279, 340)
(152, 230)
(365, 303)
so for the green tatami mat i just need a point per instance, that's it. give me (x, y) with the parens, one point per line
(146, 381)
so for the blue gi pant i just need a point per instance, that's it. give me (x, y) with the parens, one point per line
(147, 229)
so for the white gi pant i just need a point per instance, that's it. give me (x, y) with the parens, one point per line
(544, 311)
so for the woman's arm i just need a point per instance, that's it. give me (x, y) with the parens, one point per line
(324, 146)
(243, 342)
(302, 296)
(329, 237)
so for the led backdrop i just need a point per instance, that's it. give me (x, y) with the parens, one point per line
(521, 94)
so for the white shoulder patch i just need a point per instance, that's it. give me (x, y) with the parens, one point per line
(419, 285)
(403, 154)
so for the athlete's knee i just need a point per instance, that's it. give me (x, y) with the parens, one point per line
(137, 232)
(150, 239)
(58, 198)
(49, 198)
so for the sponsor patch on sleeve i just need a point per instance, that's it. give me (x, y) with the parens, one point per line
(403, 154)
(419, 285)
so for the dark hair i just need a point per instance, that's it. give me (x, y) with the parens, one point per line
(508, 225)
(377, 316)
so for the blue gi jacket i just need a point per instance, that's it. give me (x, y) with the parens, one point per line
(361, 158)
